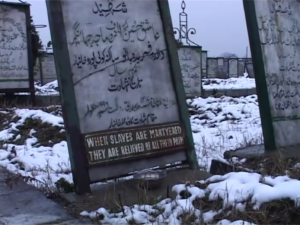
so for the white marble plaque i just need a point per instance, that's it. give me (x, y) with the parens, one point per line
(14, 71)
(190, 64)
(279, 29)
(120, 65)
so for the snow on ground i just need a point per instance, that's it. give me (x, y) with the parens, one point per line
(32, 143)
(230, 83)
(238, 190)
(47, 89)
(221, 124)
(38, 137)
(50, 88)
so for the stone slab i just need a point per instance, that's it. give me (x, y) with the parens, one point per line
(23, 204)
(221, 168)
(259, 150)
(30, 208)
(107, 195)
(17, 187)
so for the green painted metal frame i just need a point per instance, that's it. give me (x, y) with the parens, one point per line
(260, 75)
(77, 153)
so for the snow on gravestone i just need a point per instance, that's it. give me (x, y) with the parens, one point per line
(122, 79)
(279, 38)
(48, 67)
(190, 64)
(14, 73)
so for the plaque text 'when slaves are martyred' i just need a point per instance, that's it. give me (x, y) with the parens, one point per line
(108, 146)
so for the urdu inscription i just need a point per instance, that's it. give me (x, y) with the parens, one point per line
(14, 71)
(190, 64)
(119, 63)
(279, 30)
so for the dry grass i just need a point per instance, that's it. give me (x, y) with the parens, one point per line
(281, 211)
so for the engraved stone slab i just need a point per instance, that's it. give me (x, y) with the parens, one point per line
(14, 71)
(190, 64)
(48, 67)
(279, 28)
(120, 65)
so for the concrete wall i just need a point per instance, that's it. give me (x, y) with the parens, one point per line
(229, 92)
(225, 68)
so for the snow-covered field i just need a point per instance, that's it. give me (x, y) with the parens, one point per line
(232, 191)
(38, 136)
(231, 83)
(33, 143)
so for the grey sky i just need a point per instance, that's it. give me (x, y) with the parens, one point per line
(220, 24)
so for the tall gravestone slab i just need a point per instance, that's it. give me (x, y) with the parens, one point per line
(121, 86)
(16, 72)
(47, 66)
(190, 64)
(212, 67)
(233, 67)
(274, 29)
(204, 63)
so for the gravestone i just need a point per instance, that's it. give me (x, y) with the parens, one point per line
(122, 94)
(212, 67)
(48, 72)
(204, 63)
(249, 70)
(273, 34)
(190, 64)
(16, 72)
(241, 67)
(222, 71)
(233, 67)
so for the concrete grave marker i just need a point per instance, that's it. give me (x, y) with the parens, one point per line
(273, 29)
(233, 67)
(204, 63)
(118, 69)
(212, 67)
(16, 73)
(48, 73)
(190, 63)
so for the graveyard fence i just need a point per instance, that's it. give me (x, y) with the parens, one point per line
(224, 68)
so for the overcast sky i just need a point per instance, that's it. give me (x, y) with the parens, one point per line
(220, 24)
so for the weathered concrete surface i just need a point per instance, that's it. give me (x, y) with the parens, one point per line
(27, 206)
(128, 192)
(259, 150)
